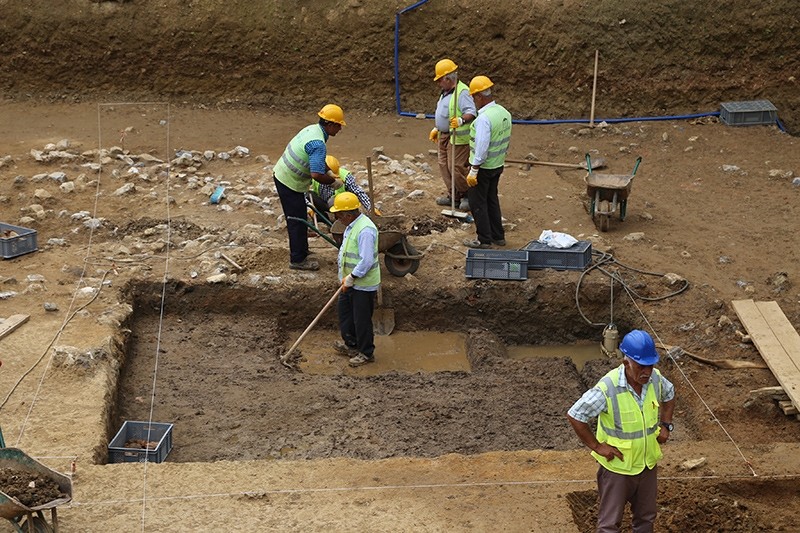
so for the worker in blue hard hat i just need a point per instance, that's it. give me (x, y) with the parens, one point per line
(633, 404)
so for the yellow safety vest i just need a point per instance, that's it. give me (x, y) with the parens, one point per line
(628, 428)
(454, 110)
(349, 256)
(293, 168)
(499, 138)
(343, 173)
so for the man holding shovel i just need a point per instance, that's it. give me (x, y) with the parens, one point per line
(360, 275)
(489, 137)
(454, 111)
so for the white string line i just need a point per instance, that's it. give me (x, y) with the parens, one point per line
(689, 382)
(317, 490)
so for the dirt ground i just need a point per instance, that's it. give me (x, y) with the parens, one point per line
(140, 332)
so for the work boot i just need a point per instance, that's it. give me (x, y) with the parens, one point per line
(476, 244)
(306, 264)
(464, 205)
(361, 359)
(345, 349)
(500, 242)
(443, 200)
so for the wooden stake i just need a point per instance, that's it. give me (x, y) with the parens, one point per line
(594, 88)
(11, 323)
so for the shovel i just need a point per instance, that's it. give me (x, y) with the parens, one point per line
(596, 163)
(285, 357)
(382, 317)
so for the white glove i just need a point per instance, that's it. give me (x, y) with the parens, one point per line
(337, 184)
(348, 282)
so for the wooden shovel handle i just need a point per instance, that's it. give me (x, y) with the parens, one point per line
(310, 326)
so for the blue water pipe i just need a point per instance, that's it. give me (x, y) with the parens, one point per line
(521, 121)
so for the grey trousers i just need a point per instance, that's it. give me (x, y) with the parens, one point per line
(617, 489)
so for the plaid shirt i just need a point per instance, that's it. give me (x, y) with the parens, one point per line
(593, 401)
(326, 192)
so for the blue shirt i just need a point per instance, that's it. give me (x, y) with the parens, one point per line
(442, 116)
(317, 151)
(483, 132)
(593, 401)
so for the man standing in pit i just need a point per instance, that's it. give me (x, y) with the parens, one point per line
(360, 275)
(454, 111)
(489, 138)
(633, 405)
(301, 162)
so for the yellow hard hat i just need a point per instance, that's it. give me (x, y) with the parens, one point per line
(345, 201)
(444, 67)
(479, 83)
(332, 113)
(332, 163)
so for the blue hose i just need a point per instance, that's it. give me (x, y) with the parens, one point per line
(521, 121)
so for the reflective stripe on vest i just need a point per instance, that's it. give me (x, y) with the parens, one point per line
(349, 256)
(627, 427)
(454, 110)
(293, 168)
(343, 173)
(499, 138)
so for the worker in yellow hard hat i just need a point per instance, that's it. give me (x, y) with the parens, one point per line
(360, 276)
(302, 163)
(323, 195)
(454, 112)
(490, 135)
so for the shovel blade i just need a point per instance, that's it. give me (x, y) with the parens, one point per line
(383, 321)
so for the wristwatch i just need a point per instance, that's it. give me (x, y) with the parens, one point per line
(669, 425)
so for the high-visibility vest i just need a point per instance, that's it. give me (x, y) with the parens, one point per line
(293, 168)
(454, 110)
(343, 173)
(628, 428)
(500, 137)
(349, 256)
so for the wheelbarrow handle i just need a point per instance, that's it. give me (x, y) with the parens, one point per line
(313, 228)
(588, 162)
(636, 165)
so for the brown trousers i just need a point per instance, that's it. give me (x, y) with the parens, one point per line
(617, 489)
(461, 160)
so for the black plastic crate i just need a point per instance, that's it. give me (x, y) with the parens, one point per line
(16, 240)
(576, 257)
(748, 113)
(160, 433)
(497, 264)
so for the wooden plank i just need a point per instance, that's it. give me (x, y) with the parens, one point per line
(784, 331)
(783, 366)
(11, 323)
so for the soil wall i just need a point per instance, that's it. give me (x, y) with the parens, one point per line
(656, 58)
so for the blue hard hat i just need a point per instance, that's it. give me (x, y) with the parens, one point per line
(639, 346)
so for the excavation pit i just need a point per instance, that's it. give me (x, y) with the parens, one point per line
(443, 381)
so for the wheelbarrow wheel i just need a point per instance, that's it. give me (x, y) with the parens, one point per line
(400, 266)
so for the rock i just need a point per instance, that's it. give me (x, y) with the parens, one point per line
(636, 236)
(125, 189)
(217, 278)
(67, 187)
(691, 464)
(730, 168)
(671, 278)
(50, 306)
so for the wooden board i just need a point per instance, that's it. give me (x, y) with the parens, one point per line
(11, 323)
(776, 340)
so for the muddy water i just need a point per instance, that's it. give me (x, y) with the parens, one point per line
(402, 351)
(579, 353)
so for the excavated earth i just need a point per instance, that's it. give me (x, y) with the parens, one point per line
(146, 302)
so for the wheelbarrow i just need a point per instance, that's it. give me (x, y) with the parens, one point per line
(399, 256)
(608, 194)
(32, 519)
